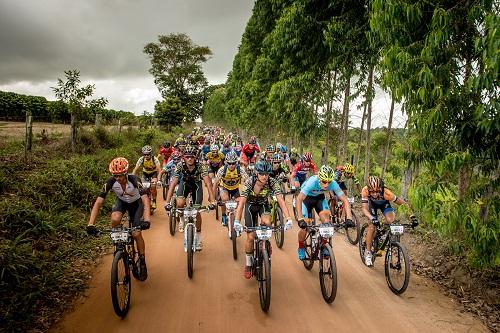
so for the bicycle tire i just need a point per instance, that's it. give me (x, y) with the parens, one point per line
(264, 278)
(121, 286)
(308, 262)
(173, 217)
(362, 243)
(233, 236)
(279, 234)
(401, 256)
(217, 198)
(135, 263)
(353, 233)
(190, 253)
(328, 277)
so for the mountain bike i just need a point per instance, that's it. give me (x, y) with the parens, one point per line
(165, 183)
(146, 184)
(125, 259)
(190, 212)
(318, 247)
(397, 262)
(261, 265)
(277, 220)
(337, 210)
(173, 216)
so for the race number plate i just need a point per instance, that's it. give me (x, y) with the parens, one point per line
(190, 213)
(119, 236)
(326, 232)
(231, 205)
(264, 234)
(351, 200)
(397, 229)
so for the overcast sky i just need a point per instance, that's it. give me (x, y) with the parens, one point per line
(40, 39)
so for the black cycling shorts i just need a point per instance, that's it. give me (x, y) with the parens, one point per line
(195, 188)
(313, 202)
(135, 210)
(253, 211)
(231, 193)
(342, 186)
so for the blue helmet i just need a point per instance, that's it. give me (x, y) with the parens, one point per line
(283, 149)
(263, 167)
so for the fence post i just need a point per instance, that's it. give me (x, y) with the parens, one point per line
(29, 132)
(119, 125)
(97, 120)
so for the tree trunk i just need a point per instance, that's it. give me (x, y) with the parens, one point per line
(29, 133)
(389, 136)
(405, 184)
(358, 156)
(369, 95)
(345, 121)
(463, 182)
(73, 132)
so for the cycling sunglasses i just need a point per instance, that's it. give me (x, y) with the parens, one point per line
(231, 163)
(120, 175)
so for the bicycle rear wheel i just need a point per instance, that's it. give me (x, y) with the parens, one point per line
(173, 217)
(362, 243)
(121, 286)
(264, 278)
(397, 268)
(190, 252)
(327, 273)
(164, 186)
(279, 234)
(353, 233)
(217, 198)
(308, 261)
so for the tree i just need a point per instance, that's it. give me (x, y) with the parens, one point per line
(176, 67)
(76, 97)
(170, 112)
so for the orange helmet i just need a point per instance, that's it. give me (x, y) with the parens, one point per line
(118, 166)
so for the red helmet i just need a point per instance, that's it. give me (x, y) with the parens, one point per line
(307, 157)
(118, 166)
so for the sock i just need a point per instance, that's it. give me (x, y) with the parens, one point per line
(198, 236)
(249, 259)
(301, 245)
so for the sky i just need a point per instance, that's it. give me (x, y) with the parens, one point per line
(104, 39)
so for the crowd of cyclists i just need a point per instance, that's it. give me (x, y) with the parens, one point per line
(224, 163)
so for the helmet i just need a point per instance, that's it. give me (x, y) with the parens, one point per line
(326, 173)
(118, 166)
(253, 140)
(231, 157)
(176, 155)
(263, 167)
(276, 158)
(214, 148)
(294, 151)
(307, 157)
(278, 146)
(181, 136)
(181, 143)
(270, 149)
(283, 149)
(190, 151)
(146, 150)
(373, 183)
(167, 144)
(349, 168)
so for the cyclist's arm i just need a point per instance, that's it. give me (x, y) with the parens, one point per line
(137, 166)
(298, 204)
(240, 207)
(208, 183)
(364, 203)
(95, 210)
(158, 166)
(216, 183)
(173, 183)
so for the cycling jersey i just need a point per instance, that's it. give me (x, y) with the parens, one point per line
(166, 152)
(383, 196)
(196, 175)
(226, 151)
(340, 176)
(148, 166)
(300, 171)
(205, 149)
(272, 187)
(133, 189)
(214, 157)
(231, 179)
(279, 171)
(249, 151)
(312, 188)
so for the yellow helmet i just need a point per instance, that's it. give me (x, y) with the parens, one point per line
(349, 168)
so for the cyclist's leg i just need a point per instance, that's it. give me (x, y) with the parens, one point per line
(224, 196)
(154, 180)
(323, 210)
(197, 196)
(117, 212)
(251, 212)
(371, 228)
(265, 214)
(135, 212)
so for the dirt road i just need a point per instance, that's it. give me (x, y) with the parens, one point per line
(220, 299)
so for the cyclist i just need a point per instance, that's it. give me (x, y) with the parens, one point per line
(205, 148)
(302, 171)
(270, 150)
(248, 152)
(344, 172)
(375, 196)
(229, 176)
(179, 139)
(130, 197)
(150, 170)
(188, 174)
(226, 147)
(166, 150)
(279, 171)
(255, 196)
(214, 159)
(170, 166)
(312, 197)
(294, 157)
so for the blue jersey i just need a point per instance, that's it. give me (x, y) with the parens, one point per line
(312, 187)
(204, 150)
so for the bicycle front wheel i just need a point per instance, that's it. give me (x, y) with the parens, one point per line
(264, 278)
(233, 236)
(164, 186)
(279, 234)
(121, 286)
(173, 217)
(327, 273)
(397, 268)
(308, 261)
(353, 233)
(190, 251)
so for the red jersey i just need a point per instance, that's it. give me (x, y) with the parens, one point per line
(248, 151)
